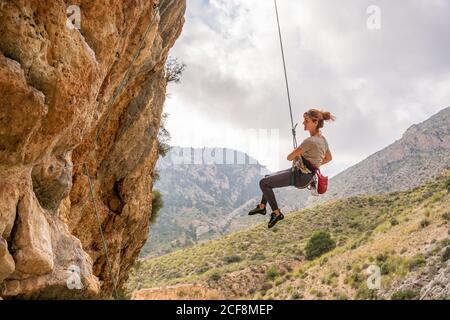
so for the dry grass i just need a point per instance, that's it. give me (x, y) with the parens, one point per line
(386, 229)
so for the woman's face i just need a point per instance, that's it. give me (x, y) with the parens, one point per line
(309, 124)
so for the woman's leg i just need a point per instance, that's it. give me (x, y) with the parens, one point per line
(263, 202)
(272, 181)
(302, 179)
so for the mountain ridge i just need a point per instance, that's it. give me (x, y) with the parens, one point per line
(375, 174)
(393, 167)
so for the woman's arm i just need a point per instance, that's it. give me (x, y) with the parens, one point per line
(327, 157)
(294, 154)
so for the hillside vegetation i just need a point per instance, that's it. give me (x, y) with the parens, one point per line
(200, 199)
(404, 233)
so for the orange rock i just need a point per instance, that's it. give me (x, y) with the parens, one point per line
(57, 108)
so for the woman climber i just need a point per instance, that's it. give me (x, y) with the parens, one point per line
(314, 149)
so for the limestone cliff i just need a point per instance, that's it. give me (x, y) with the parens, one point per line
(69, 97)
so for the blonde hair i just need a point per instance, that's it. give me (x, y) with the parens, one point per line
(319, 116)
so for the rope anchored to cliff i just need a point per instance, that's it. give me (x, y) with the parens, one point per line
(124, 81)
(105, 246)
(116, 93)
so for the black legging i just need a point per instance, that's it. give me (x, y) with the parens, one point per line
(281, 179)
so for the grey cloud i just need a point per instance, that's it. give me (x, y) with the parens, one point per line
(365, 77)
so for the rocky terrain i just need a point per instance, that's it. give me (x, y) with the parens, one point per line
(74, 98)
(405, 235)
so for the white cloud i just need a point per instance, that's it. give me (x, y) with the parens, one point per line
(377, 83)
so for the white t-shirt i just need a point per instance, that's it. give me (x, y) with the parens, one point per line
(315, 148)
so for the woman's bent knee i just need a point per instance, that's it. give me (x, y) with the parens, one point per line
(262, 183)
(302, 179)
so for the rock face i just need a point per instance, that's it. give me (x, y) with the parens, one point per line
(72, 99)
(431, 283)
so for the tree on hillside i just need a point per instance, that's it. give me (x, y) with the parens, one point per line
(319, 243)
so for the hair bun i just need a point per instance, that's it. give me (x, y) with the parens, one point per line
(327, 116)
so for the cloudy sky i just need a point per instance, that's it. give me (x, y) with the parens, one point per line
(377, 82)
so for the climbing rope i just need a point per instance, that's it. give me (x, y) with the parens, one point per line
(294, 139)
(105, 246)
(117, 92)
(122, 84)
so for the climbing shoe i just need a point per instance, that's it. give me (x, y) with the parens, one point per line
(257, 210)
(274, 219)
